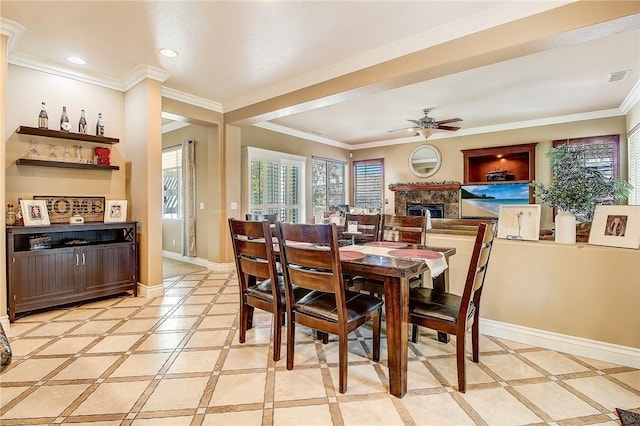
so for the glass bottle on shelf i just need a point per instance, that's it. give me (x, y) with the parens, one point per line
(67, 154)
(65, 126)
(100, 125)
(82, 124)
(78, 153)
(33, 153)
(43, 118)
(11, 215)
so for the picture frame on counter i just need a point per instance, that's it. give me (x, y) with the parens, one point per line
(34, 212)
(616, 226)
(115, 211)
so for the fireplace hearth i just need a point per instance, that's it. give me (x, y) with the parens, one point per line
(436, 211)
(442, 200)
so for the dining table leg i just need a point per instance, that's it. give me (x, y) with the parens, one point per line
(396, 291)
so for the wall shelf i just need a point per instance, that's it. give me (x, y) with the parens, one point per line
(24, 130)
(64, 165)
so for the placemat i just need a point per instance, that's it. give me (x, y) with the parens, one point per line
(350, 255)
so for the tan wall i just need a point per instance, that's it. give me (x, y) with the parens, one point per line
(266, 139)
(396, 157)
(172, 229)
(26, 91)
(578, 290)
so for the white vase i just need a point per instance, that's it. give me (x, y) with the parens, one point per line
(565, 228)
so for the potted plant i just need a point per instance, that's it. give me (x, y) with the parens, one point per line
(576, 189)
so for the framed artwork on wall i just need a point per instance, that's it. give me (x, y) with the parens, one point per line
(616, 226)
(34, 212)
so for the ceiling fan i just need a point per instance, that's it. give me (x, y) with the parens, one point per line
(424, 126)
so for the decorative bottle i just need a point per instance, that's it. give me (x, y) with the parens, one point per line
(43, 118)
(11, 215)
(64, 120)
(100, 125)
(82, 124)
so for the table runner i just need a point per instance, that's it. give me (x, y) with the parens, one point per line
(437, 266)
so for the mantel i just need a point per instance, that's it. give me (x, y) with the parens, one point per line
(424, 187)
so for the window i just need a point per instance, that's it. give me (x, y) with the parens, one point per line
(368, 179)
(328, 184)
(276, 184)
(634, 165)
(172, 183)
(600, 152)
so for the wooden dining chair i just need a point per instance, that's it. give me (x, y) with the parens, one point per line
(256, 269)
(272, 218)
(454, 314)
(311, 260)
(368, 225)
(404, 229)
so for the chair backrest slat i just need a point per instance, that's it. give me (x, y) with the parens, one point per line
(477, 267)
(368, 224)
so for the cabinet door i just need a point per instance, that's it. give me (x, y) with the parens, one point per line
(107, 268)
(42, 278)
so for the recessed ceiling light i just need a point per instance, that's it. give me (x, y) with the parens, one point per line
(76, 60)
(169, 53)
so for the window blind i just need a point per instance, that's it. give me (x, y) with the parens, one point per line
(367, 183)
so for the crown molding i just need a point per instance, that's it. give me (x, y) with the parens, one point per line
(632, 98)
(174, 125)
(191, 99)
(447, 135)
(12, 30)
(143, 72)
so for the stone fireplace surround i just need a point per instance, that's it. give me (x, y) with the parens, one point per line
(447, 194)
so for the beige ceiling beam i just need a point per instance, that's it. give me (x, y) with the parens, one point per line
(551, 29)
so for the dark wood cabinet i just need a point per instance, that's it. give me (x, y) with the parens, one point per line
(511, 163)
(69, 263)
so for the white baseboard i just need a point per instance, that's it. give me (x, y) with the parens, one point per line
(148, 292)
(603, 351)
(212, 266)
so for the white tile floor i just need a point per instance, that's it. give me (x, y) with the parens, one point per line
(176, 360)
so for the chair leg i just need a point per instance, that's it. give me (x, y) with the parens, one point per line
(414, 333)
(460, 358)
(321, 335)
(475, 342)
(291, 333)
(249, 314)
(277, 335)
(377, 325)
(244, 312)
(343, 355)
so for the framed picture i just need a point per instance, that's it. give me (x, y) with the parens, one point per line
(479, 201)
(616, 226)
(34, 212)
(115, 211)
(519, 222)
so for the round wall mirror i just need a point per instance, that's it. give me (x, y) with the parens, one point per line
(425, 161)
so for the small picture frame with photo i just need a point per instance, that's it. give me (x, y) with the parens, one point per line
(616, 226)
(34, 212)
(115, 211)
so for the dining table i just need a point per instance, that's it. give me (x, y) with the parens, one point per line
(395, 270)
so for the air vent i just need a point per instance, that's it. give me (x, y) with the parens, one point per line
(618, 75)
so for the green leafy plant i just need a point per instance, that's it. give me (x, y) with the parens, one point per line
(576, 187)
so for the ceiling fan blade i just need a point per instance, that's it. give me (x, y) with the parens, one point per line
(414, 121)
(452, 128)
(451, 120)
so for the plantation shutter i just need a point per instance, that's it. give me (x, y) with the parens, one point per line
(599, 152)
(367, 183)
(634, 165)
